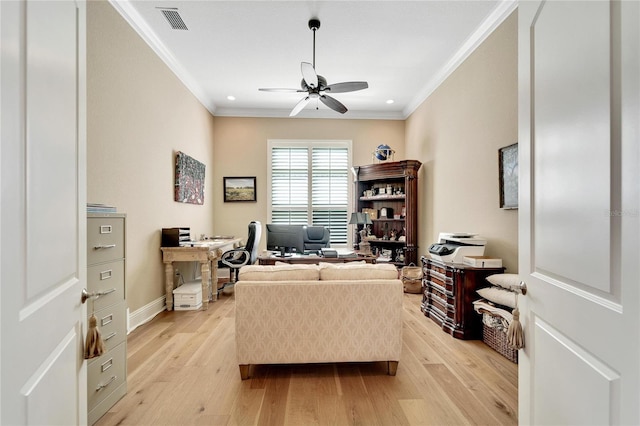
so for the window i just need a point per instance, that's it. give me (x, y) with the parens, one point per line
(309, 184)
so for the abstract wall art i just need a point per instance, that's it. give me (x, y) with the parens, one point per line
(189, 183)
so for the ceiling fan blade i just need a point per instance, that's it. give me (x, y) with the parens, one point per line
(300, 106)
(349, 86)
(283, 90)
(333, 103)
(309, 74)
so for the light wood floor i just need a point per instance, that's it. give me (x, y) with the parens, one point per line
(182, 370)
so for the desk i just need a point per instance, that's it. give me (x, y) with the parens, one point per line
(207, 254)
(269, 259)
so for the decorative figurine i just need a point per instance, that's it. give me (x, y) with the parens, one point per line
(386, 232)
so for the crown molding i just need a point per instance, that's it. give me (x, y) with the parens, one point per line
(499, 14)
(133, 18)
(308, 113)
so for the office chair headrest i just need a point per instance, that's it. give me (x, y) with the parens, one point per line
(315, 232)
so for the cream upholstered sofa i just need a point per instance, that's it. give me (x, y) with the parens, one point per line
(291, 314)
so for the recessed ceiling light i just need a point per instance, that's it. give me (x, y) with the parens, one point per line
(231, 98)
(390, 101)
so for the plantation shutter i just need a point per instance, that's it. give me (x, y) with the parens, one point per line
(310, 185)
(330, 191)
(289, 186)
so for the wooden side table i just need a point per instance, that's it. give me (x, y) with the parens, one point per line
(207, 254)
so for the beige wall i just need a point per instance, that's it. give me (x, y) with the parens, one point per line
(139, 114)
(240, 149)
(456, 133)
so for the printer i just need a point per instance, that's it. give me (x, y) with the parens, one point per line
(452, 247)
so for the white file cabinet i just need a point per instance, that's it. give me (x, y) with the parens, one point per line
(107, 374)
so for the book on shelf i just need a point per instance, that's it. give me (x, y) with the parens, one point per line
(100, 208)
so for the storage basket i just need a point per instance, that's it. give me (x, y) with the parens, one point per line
(411, 277)
(496, 338)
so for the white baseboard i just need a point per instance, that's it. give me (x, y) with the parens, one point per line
(145, 314)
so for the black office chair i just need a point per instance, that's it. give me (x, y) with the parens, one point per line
(238, 257)
(315, 237)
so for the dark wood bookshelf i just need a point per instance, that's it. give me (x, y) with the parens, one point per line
(402, 177)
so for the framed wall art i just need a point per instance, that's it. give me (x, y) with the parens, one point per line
(189, 182)
(508, 169)
(239, 189)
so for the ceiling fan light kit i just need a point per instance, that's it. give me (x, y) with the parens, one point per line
(316, 85)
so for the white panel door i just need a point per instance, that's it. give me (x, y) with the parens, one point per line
(43, 217)
(579, 232)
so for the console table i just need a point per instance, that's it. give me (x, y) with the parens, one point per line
(269, 259)
(206, 253)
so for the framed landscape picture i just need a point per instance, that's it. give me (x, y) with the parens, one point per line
(508, 160)
(239, 189)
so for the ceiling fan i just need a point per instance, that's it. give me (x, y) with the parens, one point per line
(316, 85)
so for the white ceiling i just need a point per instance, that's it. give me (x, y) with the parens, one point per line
(403, 49)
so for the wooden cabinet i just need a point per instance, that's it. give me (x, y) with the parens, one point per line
(448, 292)
(391, 188)
(107, 374)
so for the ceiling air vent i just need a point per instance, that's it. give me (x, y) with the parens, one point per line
(174, 19)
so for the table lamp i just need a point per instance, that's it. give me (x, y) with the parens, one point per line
(359, 219)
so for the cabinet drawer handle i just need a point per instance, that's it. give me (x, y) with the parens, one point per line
(106, 365)
(106, 320)
(104, 246)
(440, 288)
(110, 336)
(439, 275)
(101, 386)
(105, 275)
(105, 292)
(106, 229)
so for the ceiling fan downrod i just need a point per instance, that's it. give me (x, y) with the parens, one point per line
(314, 24)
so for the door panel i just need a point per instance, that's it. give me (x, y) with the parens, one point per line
(571, 117)
(563, 358)
(51, 111)
(579, 220)
(57, 372)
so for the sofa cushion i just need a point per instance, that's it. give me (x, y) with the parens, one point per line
(278, 273)
(351, 271)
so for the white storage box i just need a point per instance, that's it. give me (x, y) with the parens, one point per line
(188, 297)
(482, 261)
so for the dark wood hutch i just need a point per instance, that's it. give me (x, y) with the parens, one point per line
(394, 189)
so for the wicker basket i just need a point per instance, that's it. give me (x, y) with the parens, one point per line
(497, 340)
(411, 277)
